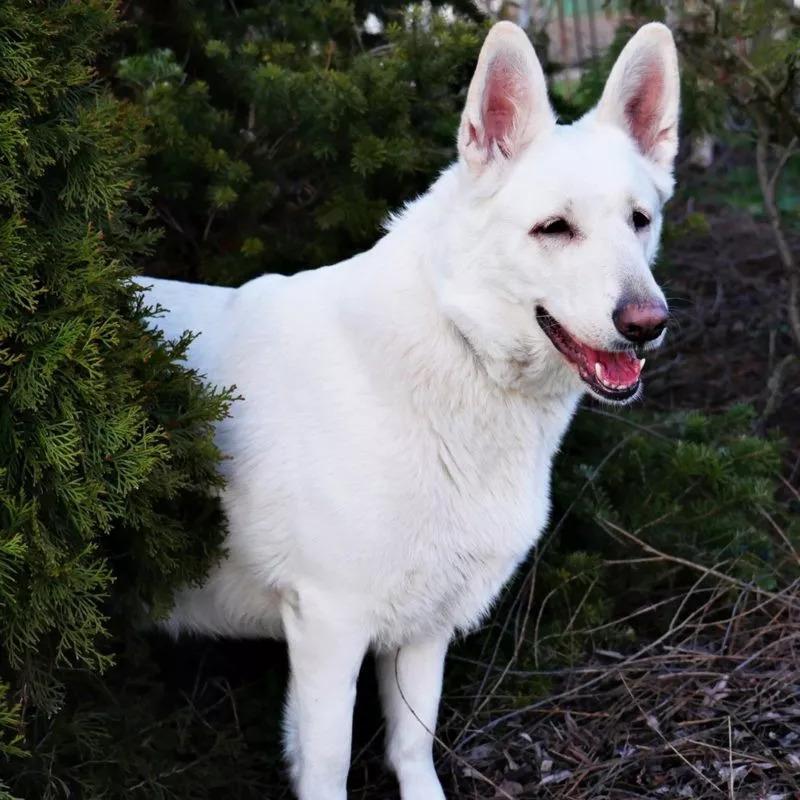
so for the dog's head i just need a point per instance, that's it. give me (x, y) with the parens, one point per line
(551, 244)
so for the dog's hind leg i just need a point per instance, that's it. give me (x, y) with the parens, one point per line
(410, 682)
(325, 655)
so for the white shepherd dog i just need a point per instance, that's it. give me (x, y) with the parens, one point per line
(390, 461)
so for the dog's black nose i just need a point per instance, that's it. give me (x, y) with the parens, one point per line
(641, 322)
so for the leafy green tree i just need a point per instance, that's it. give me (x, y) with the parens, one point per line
(741, 73)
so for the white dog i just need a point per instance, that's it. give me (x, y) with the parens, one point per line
(390, 461)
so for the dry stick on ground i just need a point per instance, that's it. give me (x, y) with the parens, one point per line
(656, 729)
(712, 743)
(748, 648)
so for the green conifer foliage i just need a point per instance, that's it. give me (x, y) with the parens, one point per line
(106, 444)
(282, 133)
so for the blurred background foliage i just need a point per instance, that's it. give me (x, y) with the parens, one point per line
(282, 133)
(215, 140)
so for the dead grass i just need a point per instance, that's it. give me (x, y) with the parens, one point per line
(709, 709)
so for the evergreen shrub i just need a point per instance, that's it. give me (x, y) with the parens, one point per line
(282, 134)
(106, 450)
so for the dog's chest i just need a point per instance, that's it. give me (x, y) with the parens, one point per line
(408, 508)
(480, 503)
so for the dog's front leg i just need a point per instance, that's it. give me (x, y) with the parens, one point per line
(325, 655)
(411, 683)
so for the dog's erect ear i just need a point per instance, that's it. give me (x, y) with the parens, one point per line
(642, 94)
(507, 102)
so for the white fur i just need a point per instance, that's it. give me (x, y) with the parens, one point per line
(390, 461)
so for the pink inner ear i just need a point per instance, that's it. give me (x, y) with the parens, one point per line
(643, 110)
(503, 95)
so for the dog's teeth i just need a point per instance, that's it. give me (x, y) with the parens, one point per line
(641, 363)
(598, 371)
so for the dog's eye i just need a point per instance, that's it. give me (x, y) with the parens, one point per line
(555, 227)
(640, 220)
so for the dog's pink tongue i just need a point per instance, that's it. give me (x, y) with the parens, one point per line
(619, 369)
(616, 370)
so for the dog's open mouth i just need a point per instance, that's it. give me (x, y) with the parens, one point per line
(613, 375)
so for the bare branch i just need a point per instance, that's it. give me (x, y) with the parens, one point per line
(768, 187)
